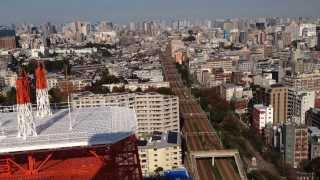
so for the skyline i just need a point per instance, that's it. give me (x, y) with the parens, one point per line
(123, 11)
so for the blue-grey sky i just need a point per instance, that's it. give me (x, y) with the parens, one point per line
(40, 11)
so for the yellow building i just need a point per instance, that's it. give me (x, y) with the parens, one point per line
(161, 151)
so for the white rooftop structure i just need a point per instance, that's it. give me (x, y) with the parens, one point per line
(90, 126)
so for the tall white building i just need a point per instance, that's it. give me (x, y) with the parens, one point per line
(262, 116)
(228, 91)
(298, 103)
(155, 112)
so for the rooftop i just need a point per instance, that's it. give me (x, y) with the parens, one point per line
(161, 140)
(90, 126)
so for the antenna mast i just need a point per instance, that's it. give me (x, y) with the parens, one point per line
(26, 125)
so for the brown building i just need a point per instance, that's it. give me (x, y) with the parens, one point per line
(7, 39)
(8, 42)
(277, 96)
(267, 51)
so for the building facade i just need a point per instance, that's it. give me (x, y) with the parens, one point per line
(162, 151)
(303, 81)
(277, 97)
(295, 140)
(313, 117)
(261, 117)
(299, 102)
(314, 140)
(155, 112)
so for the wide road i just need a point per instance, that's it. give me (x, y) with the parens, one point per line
(196, 128)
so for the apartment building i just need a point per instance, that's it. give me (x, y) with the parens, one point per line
(296, 148)
(314, 140)
(219, 62)
(162, 150)
(155, 112)
(277, 97)
(303, 81)
(261, 117)
(299, 102)
(313, 117)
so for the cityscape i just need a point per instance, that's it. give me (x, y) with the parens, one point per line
(181, 98)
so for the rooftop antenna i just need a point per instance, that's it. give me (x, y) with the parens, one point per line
(68, 94)
(26, 125)
(43, 104)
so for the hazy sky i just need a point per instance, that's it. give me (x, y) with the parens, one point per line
(40, 11)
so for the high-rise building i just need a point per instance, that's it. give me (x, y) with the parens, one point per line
(295, 140)
(155, 112)
(228, 26)
(299, 102)
(277, 97)
(243, 36)
(318, 37)
(7, 39)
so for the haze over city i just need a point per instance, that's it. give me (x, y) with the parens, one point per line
(160, 89)
(60, 11)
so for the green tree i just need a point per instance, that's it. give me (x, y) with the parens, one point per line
(57, 96)
(118, 89)
(10, 98)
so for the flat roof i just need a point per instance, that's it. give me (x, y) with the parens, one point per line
(90, 126)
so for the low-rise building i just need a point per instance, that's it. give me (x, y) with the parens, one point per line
(303, 81)
(314, 141)
(161, 151)
(229, 91)
(313, 117)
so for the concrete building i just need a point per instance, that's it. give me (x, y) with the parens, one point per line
(303, 81)
(314, 141)
(154, 75)
(299, 102)
(229, 91)
(313, 117)
(264, 80)
(277, 97)
(176, 44)
(155, 112)
(261, 117)
(219, 62)
(160, 151)
(143, 86)
(7, 39)
(295, 141)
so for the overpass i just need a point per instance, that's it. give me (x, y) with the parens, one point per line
(218, 154)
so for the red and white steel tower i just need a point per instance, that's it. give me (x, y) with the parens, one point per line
(26, 125)
(43, 104)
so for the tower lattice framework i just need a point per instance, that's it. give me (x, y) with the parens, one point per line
(43, 104)
(26, 125)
